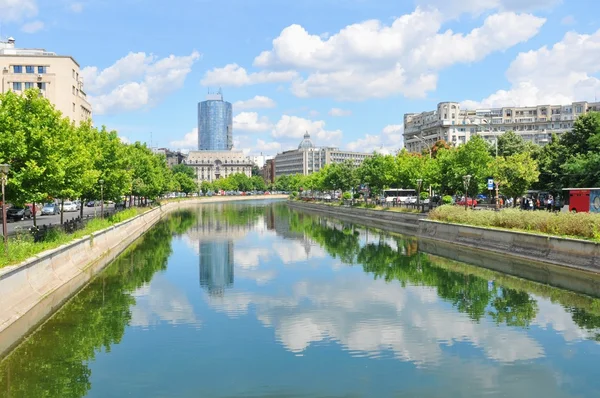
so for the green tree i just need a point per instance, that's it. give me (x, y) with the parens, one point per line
(378, 172)
(582, 144)
(186, 184)
(185, 169)
(31, 134)
(472, 159)
(258, 183)
(515, 174)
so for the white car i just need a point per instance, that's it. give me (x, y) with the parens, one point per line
(69, 206)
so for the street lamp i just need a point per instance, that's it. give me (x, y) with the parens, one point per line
(4, 168)
(430, 153)
(426, 144)
(419, 183)
(466, 181)
(101, 198)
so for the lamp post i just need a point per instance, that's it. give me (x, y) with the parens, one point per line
(4, 168)
(101, 198)
(430, 153)
(466, 181)
(419, 183)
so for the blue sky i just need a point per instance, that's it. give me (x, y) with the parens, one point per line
(345, 70)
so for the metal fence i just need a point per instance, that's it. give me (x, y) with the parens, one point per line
(41, 232)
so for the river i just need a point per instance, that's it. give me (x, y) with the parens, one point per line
(256, 300)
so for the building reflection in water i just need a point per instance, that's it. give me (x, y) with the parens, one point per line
(215, 237)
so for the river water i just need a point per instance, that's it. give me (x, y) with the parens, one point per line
(256, 300)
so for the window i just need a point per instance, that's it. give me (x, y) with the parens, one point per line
(73, 107)
(28, 85)
(41, 86)
(73, 73)
(17, 69)
(41, 69)
(30, 69)
(17, 86)
(73, 90)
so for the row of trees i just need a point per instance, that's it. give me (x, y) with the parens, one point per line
(51, 158)
(235, 182)
(573, 160)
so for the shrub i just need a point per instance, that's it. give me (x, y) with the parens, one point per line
(424, 195)
(357, 195)
(346, 196)
(447, 199)
(580, 225)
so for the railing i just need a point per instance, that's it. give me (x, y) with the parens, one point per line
(41, 232)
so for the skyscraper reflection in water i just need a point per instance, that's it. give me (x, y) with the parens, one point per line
(216, 266)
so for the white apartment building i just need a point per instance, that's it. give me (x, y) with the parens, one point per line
(212, 165)
(56, 76)
(260, 160)
(456, 126)
(308, 159)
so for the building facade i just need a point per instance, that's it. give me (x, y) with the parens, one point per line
(212, 165)
(260, 160)
(56, 76)
(215, 124)
(268, 171)
(456, 126)
(173, 157)
(308, 158)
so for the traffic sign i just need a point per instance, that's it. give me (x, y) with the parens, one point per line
(490, 183)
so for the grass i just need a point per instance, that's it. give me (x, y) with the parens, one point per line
(23, 247)
(573, 225)
(371, 206)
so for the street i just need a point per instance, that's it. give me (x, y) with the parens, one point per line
(41, 220)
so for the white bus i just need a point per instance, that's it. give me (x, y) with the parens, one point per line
(398, 195)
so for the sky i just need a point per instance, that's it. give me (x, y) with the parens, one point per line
(346, 71)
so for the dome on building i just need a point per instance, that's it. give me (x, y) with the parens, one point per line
(306, 142)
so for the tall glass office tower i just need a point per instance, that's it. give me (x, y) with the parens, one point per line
(215, 123)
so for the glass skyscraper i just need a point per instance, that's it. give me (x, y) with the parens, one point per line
(215, 124)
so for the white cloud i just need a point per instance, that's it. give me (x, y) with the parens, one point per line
(17, 10)
(560, 74)
(32, 27)
(76, 7)
(258, 102)
(124, 140)
(189, 141)
(136, 81)
(374, 60)
(387, 142)
(453, 8)
(250, 121)
(568, 20)
(251, 258)
(313, 113)
(294, 127)
(339, 112)
(267, 147)
(236, 76)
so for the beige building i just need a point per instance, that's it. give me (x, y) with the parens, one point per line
(308, 159)
(56, 76)
(456, 126)
(212, 165)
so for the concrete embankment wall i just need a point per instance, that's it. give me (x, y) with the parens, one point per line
(571, 253)
(36, 288)
(541, 258)
(406, 223)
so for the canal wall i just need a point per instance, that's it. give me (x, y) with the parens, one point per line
(571, 253)
(406, 223)
(35, 289)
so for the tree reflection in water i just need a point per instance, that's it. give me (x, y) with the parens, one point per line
(53, 362)
(474, 291)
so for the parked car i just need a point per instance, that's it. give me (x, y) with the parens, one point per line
(469, 201)
(34, 209)
(92, 203)
(17, 213)
(50, 209)
(69, 206)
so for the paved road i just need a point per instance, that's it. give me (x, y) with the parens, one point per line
(41, 220)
